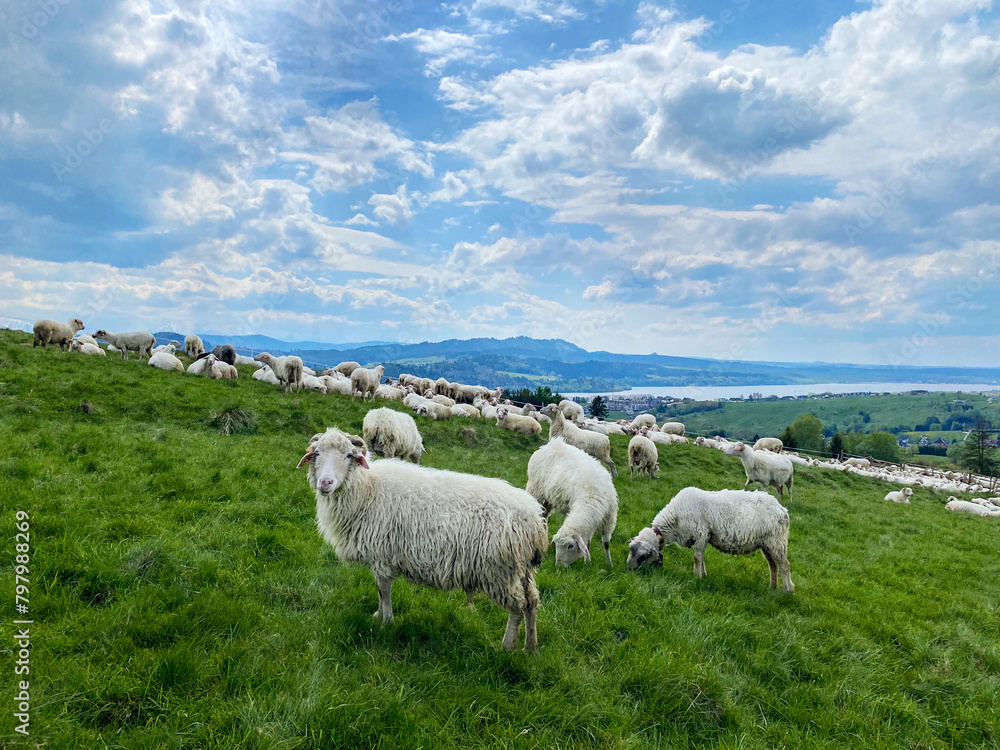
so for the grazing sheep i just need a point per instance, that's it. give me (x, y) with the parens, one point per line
(769, 444)
(392, 434)
(465, 410)
(517, 423)
(135, 341)
(965, 506)
(437, 528)
(346, 368)
(84, 347)
(858, 463)
(673, 428)
(571, 410)
(736, 522)
(642, 420)
(433, 410)
(165, 360)
(642, 456)
(225, 353)
(193, 345)
(563, 478)
(50, 332)
(598, 446)
(365, 381)
(288, 370)
(769, 469)
(900, 496)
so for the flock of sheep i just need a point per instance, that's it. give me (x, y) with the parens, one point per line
(450, 530)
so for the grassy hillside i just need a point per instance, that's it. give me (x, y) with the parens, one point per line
(747, 418)
(183, 598)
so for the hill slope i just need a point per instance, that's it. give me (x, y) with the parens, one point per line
(184, 597)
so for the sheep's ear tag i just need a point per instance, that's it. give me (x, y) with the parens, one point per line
(306, 459)
(363, 461)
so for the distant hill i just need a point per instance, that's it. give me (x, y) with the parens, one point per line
(266, 343)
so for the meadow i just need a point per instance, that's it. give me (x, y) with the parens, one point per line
(182, 597)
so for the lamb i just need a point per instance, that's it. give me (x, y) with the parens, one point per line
(517, 423)
(264, 374)
(598, 446)
(673, 428)
(136, 341)
(900, 496)
(193, 345)
(50, 332)
(736, 522)
(365, 381)
(437, 528)
(642, 456)
(85, 338)
(571, 410)
(769, 469)
(769, 444)
(392, 434)
(225, 353)
(347, 368)
(288, 370)
(465, 410)
(965, 506)
(84, 347)
(707, 442)
(563, 478)
(165, 361)
(433, 410)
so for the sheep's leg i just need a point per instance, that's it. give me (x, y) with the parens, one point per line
(773, 567)
(531, 627)
(611, 465)
(781, 558)
(468, 600)
(513, 630)
(384, 611)
(699, 561)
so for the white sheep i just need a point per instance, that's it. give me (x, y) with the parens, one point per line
(489, 411)
(202, 365)
(244, 360)
(563, 478)
(613, 428)
(288, 369)
(441, 386)
(312, 383)
(769, 444)
(642, 420)
(193, 345)
(392, 434)
(517, 423)
(165, 360)
(140, 342)
(437, 528)
(858, 463)
(168, 348)
(365, 382)
(222, 371)
(433, 410)
(264, 374)
(673, 428)
(346, 368)
(84, 347)
(465, 410)
(50, 332)
(389, 392)
(706, 442)
(339, 385)
(413, 400)
(736, 522)
(965, 506)
(571, 410)
(85, 338)
(438, 398)
(764, 467)
(642, 456)
(598, 446)
(900, 496)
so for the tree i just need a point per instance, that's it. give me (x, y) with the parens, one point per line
(880, 445)
(598, 407)
(787, 438)
(976, 455)
(836, 445)
(807, 433)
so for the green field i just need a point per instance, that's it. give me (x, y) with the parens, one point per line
(182, 597)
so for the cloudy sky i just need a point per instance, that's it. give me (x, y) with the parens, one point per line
(732, 178)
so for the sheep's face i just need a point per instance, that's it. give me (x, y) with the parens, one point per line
(332, 456)
(644, 549)
(569, 549)
(734, 449)
(101, 334)
(76, 324)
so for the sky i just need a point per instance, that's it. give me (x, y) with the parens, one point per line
(736, 179)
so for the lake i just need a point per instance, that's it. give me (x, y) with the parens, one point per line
(710, 392)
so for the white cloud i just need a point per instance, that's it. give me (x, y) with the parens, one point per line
(393, 207)
(440, 47)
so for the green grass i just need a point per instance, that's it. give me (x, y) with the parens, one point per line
(183, 598)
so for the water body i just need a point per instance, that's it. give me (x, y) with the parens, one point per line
(711, 392)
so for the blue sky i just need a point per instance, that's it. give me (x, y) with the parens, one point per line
(734, 179)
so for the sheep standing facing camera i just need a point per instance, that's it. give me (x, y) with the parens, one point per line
(438, 528)
(643, 457)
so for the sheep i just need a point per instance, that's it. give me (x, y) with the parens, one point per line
(136, 341)
(563, 478)
(736, 522)
(193, 345)
(517, 423)
(434, 410)
(465, 410)
(50, 332)
(365, 381)
(288, 370)
(392, 434)
(244, 360)
(769, 444)
(965, 506)
(858, 463)
(202, 365)
(661, 438)
(339, 385)
(764, 467)
(489, 411)
(312, 383)
(437, 528)
(225, 353)
(85, 338)
(168, 348)
(84, 347)
(571, 410)
(307, 370)
(389, 392)
(438, 398)
(413, 400)
(673, 428)
(222, 371)
(176, 344)
(537, 416)
(706, 442)
(346, 368)
(613, 428)
(598, 446)
(165, 361)
(900, 496)
(441, 386)
(642, 456)
(264, 374)
(642, 420)
(594, 426)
